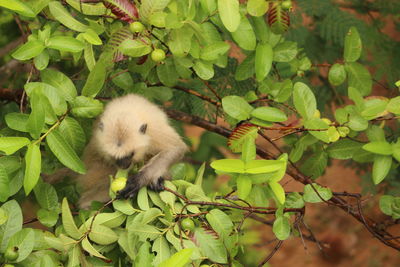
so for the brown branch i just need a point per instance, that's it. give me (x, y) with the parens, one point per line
(197, 94)
(276, 248)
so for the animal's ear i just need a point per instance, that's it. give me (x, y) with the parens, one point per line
(101, 126)
(143, 128)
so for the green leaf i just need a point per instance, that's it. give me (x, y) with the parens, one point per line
(263, 62)
(257, 7)
(229, 13)
(46, 196)
(263, 166)
(214, 50)
(315, 165)
(61, 14)
(66, 44)
(269, 114)
(294, 201)
(381, 168)
(24, 240)
(246, 69)
(212, 248)
(17, 121)
(33, 160)
(148, 7)
(102, 235)
(47, 217)
(41, 61)
(144, 257)
(379, 147)
(92, 9)
(373, 108)
(144, 231)
(203, 69)
(220, 222)
(244, 185)
(4, 185)
(196, 193)
(248, 149)
(95, 80)
(10, 145)
(73, 133)
(18, 7)
(285, 52)
(167, 73)
(304, 100)
(161, 248)
(68, 221)
(352, 45)
(236, 107)
(180, 41)
(86, 107)
(244, 35)
(12, 225)
(64, 152)
(320, 129)
(91, 37)
(337, 74)
(359, 77)
(90, 249)
(135, 48)
(60, 81)
(142, 199)
(124, 206)
(28, 50)
(278, 191)
(179, 259)
(310, 195)
(356, 96)
(343, 149)
(385, 204)
(281, 228)
(228, 165)
(357, 123)
(394, 105)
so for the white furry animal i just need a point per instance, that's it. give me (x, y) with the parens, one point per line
(131, 129)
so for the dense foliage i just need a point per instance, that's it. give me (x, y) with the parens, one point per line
(254, 64)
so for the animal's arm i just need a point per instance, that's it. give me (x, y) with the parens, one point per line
(152, 174)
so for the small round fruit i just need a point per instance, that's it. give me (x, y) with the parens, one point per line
(136, 27)
(187, 224)
(11, 254)
(158, 55)
(287, 5)
(118, 184)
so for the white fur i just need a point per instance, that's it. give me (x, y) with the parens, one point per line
(117, 134)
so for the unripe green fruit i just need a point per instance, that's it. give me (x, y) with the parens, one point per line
(187, 224)
(118, 184)
(136, 27)
(287, 5)
(11, 254)
(158, 55)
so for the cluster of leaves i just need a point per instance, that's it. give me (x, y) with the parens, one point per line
(118, 47)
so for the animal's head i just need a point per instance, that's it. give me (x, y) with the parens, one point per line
(121, 138)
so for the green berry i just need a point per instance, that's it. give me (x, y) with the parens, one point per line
(187, 224)
(11, 254)
(118, 184)
(158, 55)
(136, 27)
(287, 5)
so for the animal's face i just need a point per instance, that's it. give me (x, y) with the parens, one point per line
(122, 140)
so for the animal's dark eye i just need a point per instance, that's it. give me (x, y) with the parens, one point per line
(101, 126)
(143, 128)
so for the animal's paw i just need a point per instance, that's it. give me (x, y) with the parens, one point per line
(132, 187)
(158, 185)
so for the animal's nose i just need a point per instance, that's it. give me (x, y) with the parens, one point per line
(124, 162)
